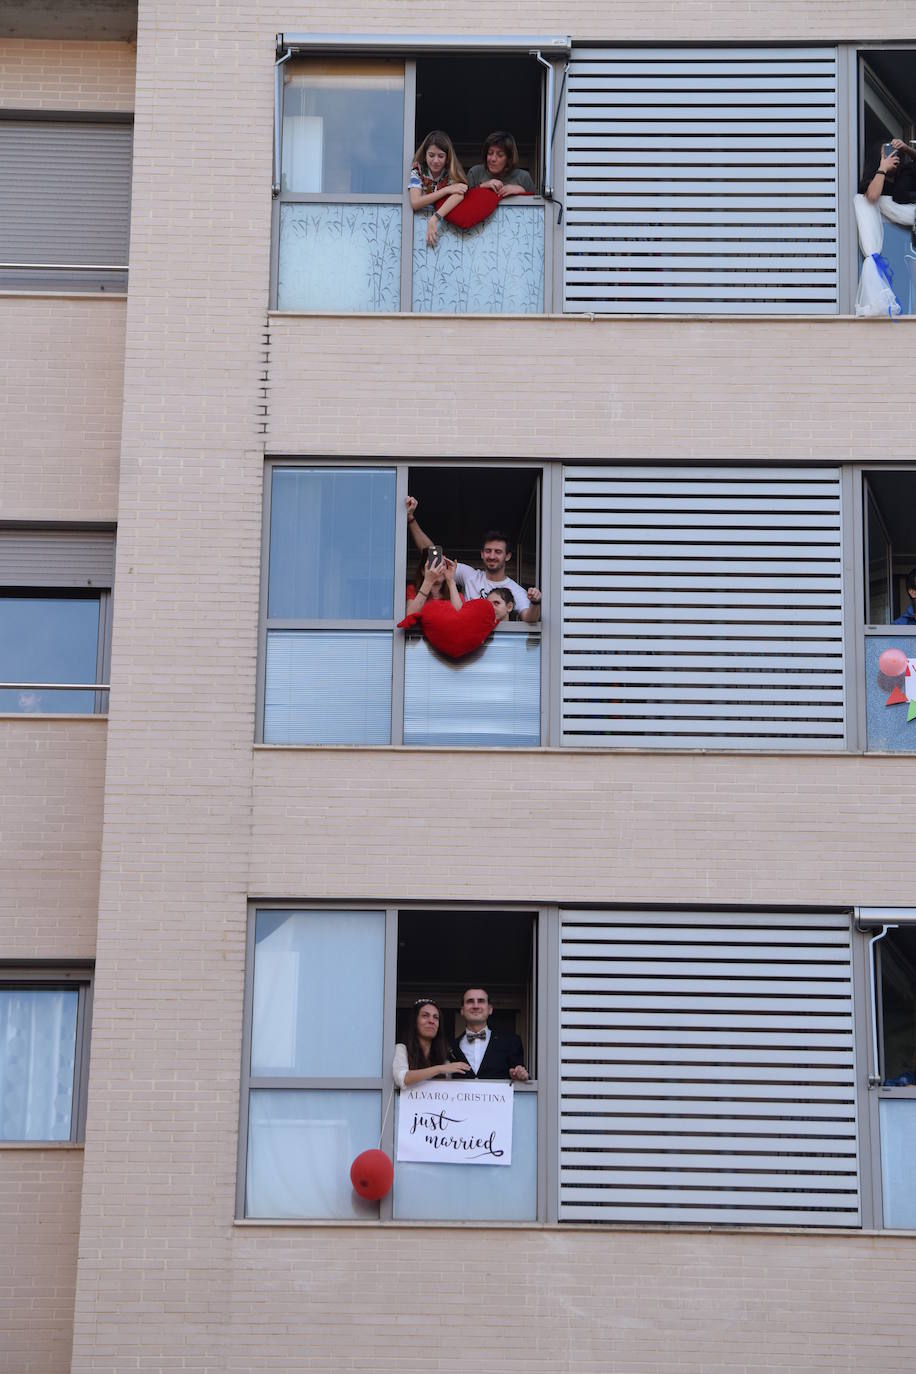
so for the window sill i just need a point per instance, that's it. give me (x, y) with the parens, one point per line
(571, 318)
(42, 1145)
(11, 292)
(629, 1228)
(567, 750)
(52, 715)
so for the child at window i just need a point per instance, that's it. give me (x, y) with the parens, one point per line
(434, 174)
(503, 603)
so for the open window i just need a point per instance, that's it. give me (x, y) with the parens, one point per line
(350, 112)
(891, 935)
(328, 994)
(889, 502)
(887, 111)
(336, 666)
(471, 95)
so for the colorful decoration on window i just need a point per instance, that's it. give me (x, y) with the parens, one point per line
(897, 676)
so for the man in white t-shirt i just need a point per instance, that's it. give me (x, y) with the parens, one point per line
(477, 582)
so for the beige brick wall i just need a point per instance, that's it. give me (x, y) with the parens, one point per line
(39, 1231)
(61, 365)
(568, 1302)
(575, 388)
(609, 21)
(595, 827)
(50, 835)
(36, 74)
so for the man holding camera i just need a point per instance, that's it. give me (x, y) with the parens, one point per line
(477, 582)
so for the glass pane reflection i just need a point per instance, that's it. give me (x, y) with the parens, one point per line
(332, 544)
(300, 1148)
(48, 639)
(318, 979)
(492, 697)
(343, 127)
(328, 687)
(485, 1192)
(898, 1150)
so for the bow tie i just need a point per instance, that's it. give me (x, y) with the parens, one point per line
(475, 1035)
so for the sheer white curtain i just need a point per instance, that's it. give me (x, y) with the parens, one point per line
(37, 1057)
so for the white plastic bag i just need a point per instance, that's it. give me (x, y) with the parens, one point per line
(875, 295)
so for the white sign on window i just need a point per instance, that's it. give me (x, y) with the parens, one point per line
(456, 1123)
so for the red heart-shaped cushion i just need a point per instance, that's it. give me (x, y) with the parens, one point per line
(476, 205)
(456, 633)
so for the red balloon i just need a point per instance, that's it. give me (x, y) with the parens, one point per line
(372, 1174)
(892, 663)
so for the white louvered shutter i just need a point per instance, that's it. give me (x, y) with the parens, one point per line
(707, 1069)
(702, 607)
(702, 180)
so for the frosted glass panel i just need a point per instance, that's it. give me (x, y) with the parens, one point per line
(339, 257)
(328, 687)
(343, 127)
(898, 1150)
(48, 639)
(486, 1192)
(318, 986)
(887, 726)
(493, 697)
(332, 544)
(300, 1148)
(37, 1055)
(496, 268)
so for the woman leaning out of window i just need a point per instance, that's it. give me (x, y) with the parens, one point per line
(426, 1053)
(434, 173)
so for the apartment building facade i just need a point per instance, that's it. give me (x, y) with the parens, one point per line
(248, 819)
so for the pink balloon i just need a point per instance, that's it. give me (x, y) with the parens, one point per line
(372, 1174)
(892, 663)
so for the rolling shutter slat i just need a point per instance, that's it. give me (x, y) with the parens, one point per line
(671, 1110)
(702, 611)
(64, 193)
(44, 558)
(701, 180)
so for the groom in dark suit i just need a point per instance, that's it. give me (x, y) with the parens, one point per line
(489, 1055)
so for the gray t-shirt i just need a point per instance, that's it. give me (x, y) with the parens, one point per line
(517, 177)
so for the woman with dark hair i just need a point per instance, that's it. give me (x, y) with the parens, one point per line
(436, 583)
(499, 169)
(426, 1052)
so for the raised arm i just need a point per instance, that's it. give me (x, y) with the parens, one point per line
(875, 188)
(454, 595)
(431, 579)
(532, 613)
(421, 540)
